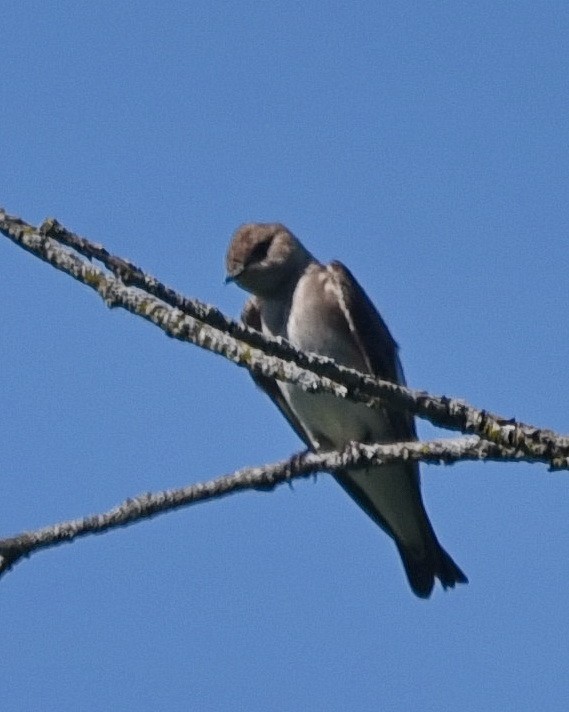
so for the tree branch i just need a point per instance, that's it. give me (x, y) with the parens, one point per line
(302, 465)
(190, 320)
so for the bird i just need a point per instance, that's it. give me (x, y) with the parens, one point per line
(321, 308)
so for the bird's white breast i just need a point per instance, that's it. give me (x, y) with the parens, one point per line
(312, 325)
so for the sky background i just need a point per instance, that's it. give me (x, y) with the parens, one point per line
(424, 144)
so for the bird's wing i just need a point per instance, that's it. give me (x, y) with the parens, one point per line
(251, 316)
(425, 558)
(378, 348)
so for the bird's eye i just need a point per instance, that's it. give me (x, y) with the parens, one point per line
(259, 252)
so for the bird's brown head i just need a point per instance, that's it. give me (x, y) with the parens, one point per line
(263, 257)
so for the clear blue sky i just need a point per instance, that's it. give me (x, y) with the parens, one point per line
(426, 145)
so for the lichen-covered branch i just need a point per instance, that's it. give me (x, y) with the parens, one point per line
(302, 465)
(190, 320)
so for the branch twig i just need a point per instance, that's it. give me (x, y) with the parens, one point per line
(302, 465)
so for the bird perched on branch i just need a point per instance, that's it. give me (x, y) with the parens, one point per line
(322, 309)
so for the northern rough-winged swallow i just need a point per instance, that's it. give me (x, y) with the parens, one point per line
(322, 308)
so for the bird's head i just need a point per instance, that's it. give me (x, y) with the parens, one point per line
(264, 257)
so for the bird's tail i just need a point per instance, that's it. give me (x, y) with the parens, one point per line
(421, 571)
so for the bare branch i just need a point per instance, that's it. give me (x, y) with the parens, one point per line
(266, 477)
(203, 325)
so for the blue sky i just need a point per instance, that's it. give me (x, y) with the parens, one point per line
(423, 144)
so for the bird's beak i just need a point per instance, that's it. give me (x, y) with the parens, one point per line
(233, 274)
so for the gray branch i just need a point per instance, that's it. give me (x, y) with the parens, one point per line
(266, 477)
(125, 285)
